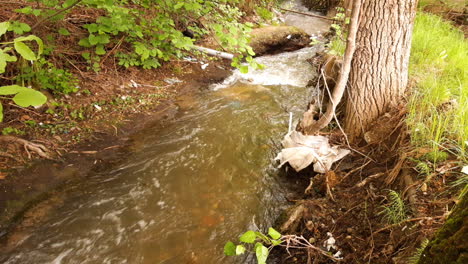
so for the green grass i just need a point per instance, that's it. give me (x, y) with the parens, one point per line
(457, 5)
(438, 106)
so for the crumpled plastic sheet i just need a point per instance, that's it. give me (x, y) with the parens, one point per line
(300, 151)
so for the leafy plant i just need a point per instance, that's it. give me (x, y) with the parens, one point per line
(417, 255)
(22, 96)
(252, 241)
(45, 75)
(394, 212)
(12, 130)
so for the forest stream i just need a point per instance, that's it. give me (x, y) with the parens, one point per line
(189, 186)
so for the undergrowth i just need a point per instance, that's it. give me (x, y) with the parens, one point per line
(394, 212)
(438, 106)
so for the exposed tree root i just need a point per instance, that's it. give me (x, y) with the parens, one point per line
(6, 155)
(294, 218)
(29, 146)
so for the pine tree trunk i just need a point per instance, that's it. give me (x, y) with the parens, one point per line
(450, 244)
(379, 70)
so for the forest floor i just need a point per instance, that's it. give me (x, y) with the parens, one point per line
(379, 204)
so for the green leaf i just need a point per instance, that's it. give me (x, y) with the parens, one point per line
(4, 27)
(29, 97)
(4, 58)
(84, 43)
(248, 237)
(230, 249)
(25, 10)
(24, 96)
(93, 39)
(273, 233)
(25, 51)
(64, 32)
(100, 49)
(39, 42)
(244, 69)
(179, 5)
(262, 254)
(11, 89)
(276, 242)
(1, 112)
(240, 249)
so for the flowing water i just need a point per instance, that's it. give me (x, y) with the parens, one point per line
(185, 189)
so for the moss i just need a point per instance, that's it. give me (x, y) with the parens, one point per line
(450, 244)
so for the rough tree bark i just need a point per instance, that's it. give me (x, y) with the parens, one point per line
(450, 243)
(379, 70)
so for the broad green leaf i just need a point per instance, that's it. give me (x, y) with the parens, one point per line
(248, 237)
(25, 51)
(29, 97)
(1, 112)
(273, 233)
(11, 89)
(4, 58)
(229, 249)
(4, 27)
(240, 249)
(39, 42)
(262, 254)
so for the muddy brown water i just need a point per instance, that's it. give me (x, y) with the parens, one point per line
(185, 189)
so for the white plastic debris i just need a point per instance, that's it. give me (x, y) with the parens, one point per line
(338, 255)
(288, 37)
(204, 66)
(330, 242)
(300, 151)
(97, 107)
(465, 170)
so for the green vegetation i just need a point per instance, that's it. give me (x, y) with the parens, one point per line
(417, 254)
(140, 33)
(438, 107)
(394, 212)
(254, 242)
(22, 96)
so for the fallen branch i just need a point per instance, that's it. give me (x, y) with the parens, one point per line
(213, 52)
(344, 75)
(307, 14)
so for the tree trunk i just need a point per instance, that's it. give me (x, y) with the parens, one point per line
(379, 70)
(450, 243)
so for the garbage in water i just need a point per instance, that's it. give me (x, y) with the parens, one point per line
(300, 151)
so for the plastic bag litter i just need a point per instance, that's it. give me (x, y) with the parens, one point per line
(300, 151)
